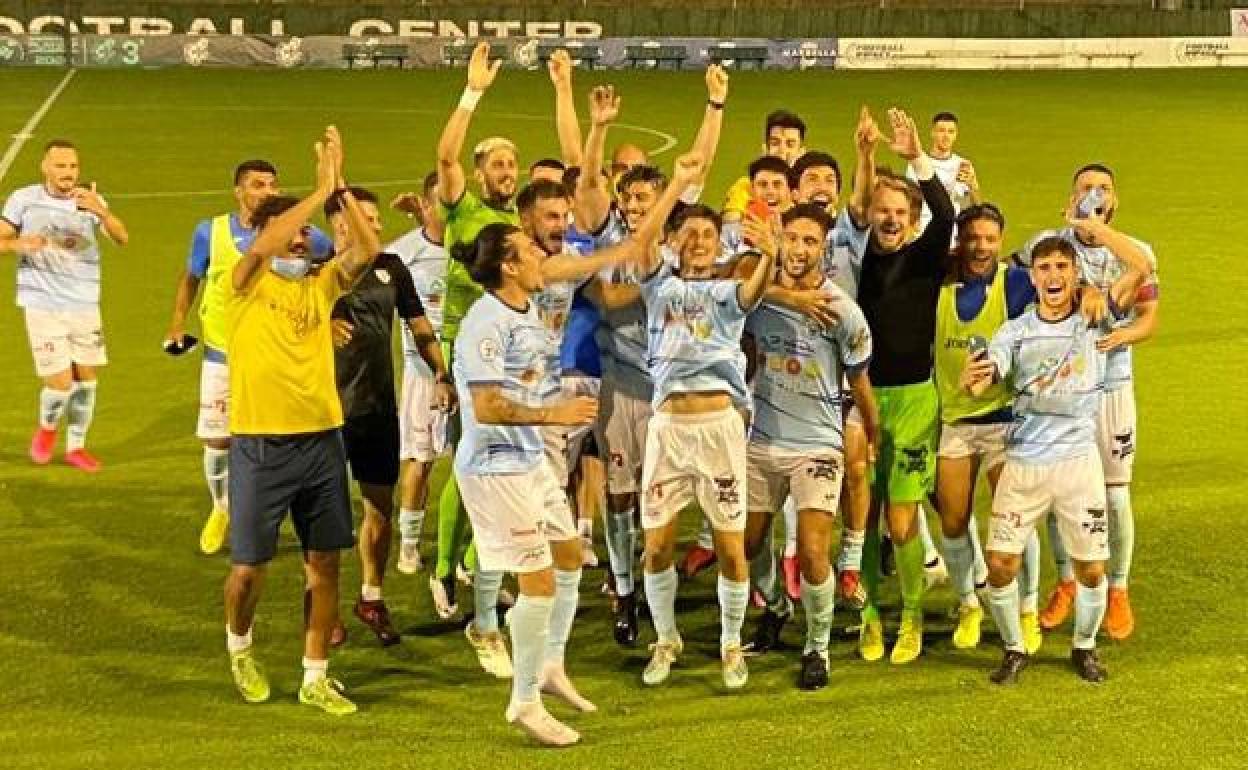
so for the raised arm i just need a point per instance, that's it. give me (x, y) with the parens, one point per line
(592, 200)
(278, 232)
(907, 145)
(89, 200)
(866, 138)
(491, 407)
(707, 141)
(481, 75)
(566, 124)
(764, 234)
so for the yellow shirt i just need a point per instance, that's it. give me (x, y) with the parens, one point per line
(737, 198)
(281, 354)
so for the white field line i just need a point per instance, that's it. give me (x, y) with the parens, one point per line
(28, 130)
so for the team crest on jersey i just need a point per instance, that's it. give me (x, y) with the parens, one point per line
(488, 350)
(382, 274)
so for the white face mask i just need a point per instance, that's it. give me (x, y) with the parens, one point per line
(291, 268)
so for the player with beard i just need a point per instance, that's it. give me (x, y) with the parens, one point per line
(1056, 369)
(1104, 256)
(979, 297)
(465, 213)
(796, 437)
(901, 277)
(52, 227)
(627, 386)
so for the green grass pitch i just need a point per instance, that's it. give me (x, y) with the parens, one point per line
(111, 642)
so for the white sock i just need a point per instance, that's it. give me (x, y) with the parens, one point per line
(661, 596)
(562, 613)
(851, 549)
(217, 474)
(1121, 534)
(733, 597)
(1089, 612)
(1029, 573)
(981, 566)
(620, 544)
(485, 588)
(820, 604)
(930, 553)
(529, 624)
(1003, 603)
(790, 528)
(960, 558)
(705, 538)
(411, 522)
(370, 593)
(51, 407)
(314, 670)
(81, 408)
(237, 642)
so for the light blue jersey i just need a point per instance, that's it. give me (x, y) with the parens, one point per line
(65, 274)
(1100, 268)
(622, 336)
(554, 308)
(842, 256)
(797, 386)
(498, 345)
(426, 261)
(694, 332)
(1057, 376)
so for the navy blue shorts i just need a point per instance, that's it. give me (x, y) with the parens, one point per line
(305, 474)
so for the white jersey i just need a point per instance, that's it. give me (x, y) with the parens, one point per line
(947, 172)
(1100, 268)
(65, 274)
(426, 261)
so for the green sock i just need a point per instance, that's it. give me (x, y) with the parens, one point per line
(470, 557)
(871, 573)
(910, 573)
(450, 526)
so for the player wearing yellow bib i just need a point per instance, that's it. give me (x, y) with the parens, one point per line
(216, 246)
(286, 449)
(979, 297)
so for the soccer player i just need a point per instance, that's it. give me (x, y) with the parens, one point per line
(695, 447)
(363, 363)
(627, 384)
(982, 293)
(465, 213)
(422, 428)
(771, 183)
(784, 137)
(1101, 263)
(51, 225)
(898, 291)
(286, 450)
(795, 438)
(218, 243)
(955, 172)
(547, 169)
(508, 488)
(1056, 369)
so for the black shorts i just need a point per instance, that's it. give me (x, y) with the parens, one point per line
(305, 474)
(372, 442)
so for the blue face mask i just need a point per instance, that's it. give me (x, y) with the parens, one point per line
(291, 268)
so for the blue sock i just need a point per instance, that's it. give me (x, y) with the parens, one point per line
(1003, 603)
(1030, 574)
(530, 624)
(567, 592)
(1121, 534)
(820, 604)
(621, 541)
(661, 596)
(733, 597)
(485, 587)
(850, 556)
(1089, 612)
(1065, 568)
(960, 557)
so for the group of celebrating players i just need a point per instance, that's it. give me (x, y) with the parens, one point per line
(601, 342)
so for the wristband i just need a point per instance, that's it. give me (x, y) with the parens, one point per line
(714, 105)
(470, 98)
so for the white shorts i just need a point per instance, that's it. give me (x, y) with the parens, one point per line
(564, 444)
(514, 518)
(61, 338)
(422, 427)
(695, 458)
(624, 423)
(962, 439)
(1074, 490)
(214, 401)
(814, 480)
(1115, 434)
